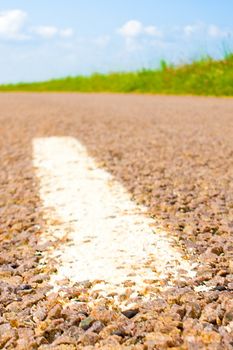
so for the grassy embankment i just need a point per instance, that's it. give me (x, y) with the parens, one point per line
(202, 77)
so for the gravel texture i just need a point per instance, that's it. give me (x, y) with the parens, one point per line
(174, 155)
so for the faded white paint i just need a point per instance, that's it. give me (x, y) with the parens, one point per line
(110, 238)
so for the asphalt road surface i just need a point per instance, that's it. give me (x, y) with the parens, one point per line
(116, 222)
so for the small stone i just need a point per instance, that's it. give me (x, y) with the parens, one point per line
(14, 307)
(89, 338)
(6, 333)
(130, 313)
(228, 317)
(55, 312)
(220, 288)
(111, 343)
(193, 310)
(39, 278)
(129, 283)
(222, 272)
(119, 332)
(14, 266)
(104, 315)
(39, 315)
(3, 259)
(217, 250)
(107, 331)
(25, 287)
(86, 323)
(75, 332)
(31, 300)
(64, 339)
(208, 257)
(26, 339)
(211, 313)
(158, 340)
(96, 327)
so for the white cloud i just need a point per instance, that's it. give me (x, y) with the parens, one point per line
(131, 29)
(215, 32)
(102, 41)
(12, 26)
(204, 29)
(12, 23)
(50, 32)
(46, 32)
(137, 36)
(134, 28)
(153, 31)
(66, 33)
(191, 29)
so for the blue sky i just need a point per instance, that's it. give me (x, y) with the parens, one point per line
(53, 38)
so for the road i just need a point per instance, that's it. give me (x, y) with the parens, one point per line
(116, 222)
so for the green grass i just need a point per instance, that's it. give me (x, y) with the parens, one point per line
(202, 77)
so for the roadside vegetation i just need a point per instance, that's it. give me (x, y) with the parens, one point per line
(203, 77)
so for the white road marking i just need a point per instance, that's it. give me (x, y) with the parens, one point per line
(110, 237)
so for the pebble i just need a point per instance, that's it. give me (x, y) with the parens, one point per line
(86, 323)
(130, 313)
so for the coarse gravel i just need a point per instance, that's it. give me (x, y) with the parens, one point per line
(174, 155)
